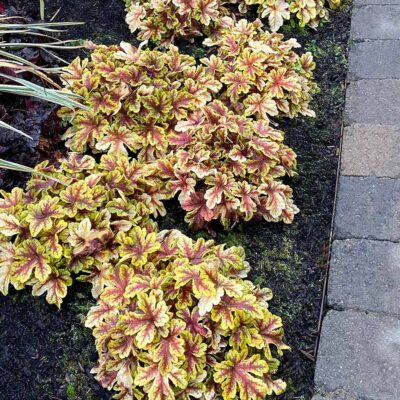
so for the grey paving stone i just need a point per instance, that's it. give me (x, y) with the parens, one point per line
(375, 22)
(360, 353)
(365, 274)
(377, 59)
(371, 150)
(373, 102)
(359, 3)
(368, 208)
(336, 395)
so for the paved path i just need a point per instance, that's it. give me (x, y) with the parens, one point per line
(359, 352)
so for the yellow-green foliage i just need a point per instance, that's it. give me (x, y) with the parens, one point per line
(262, 75)
(207, 126)
(50, 231)
(177, 320)
(164, 20)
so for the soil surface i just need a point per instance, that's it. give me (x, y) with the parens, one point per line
(47, 355)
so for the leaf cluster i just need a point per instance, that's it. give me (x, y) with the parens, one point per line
(177, 320)
(164, 20)
(52, 231)
(207, 126)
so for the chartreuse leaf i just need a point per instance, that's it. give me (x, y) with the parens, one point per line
(156, 340)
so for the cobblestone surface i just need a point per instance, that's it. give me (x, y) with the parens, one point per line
(365, 274)
(359, 352)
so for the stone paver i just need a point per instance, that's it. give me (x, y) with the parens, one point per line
(359, 3)
(376, 59)
(359, 350)
(373, 102)
(368, 208)
(371, 150)
(365, 275)
(376, 22)
(336, 395)
(360, 353)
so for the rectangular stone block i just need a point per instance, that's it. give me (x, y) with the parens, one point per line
(377, 59)
(371, 150)
(359, 3)
(373, 102)
(368, 208)
(375, 22)
(360, 353)
(365, 274)
(336, 395)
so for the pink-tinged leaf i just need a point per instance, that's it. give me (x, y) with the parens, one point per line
(158, 385)
(114, 293)
(220, 183)
(75, 197)
(242, 376)
(118, 140)
(7, 254)
(184, 185)
(270, 329)
(88, 129)
(41, 215)
(277, 386)
(276, 202)
(30, 257)
(9, 225)
(11, 199)
(169, 350)
(143, 283)
(260, 106)
(193, 321)
(99, 313)
(248, 195)
(121, 345)
(224, 311)
(138, 246)
(197, 211)
(55, 287)
(278, 82)
(151, 315)
(134, 17)
(237, 83)
(194, 354)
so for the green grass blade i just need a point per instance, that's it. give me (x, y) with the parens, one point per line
(11, 128)
(22, 168)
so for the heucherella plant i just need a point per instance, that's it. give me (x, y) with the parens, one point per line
(262, 75)
(135, 98)
(224, 162)
(177, 320)
(163, 21)
(68, 226)
(227, 167)
(307, 12)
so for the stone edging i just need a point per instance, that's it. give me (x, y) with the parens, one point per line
(359, 351)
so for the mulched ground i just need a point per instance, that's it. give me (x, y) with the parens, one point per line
(47, 355)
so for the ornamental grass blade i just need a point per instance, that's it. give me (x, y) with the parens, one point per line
(27, 88)
(22, 168)
(11, 128)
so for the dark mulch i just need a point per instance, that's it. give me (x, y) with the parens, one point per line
(46, 354)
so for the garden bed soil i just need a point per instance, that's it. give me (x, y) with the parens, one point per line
(47, 355)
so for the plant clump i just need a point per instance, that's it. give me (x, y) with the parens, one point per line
(56, 229)
(262, 75)
(177, 320)
(229, 168)
(163, 21)
(207, 127)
